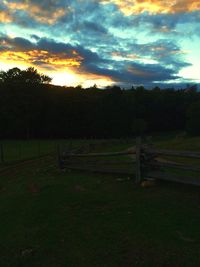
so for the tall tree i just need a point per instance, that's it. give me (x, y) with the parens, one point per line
(30, 75)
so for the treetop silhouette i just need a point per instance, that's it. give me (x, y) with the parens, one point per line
(30, 75)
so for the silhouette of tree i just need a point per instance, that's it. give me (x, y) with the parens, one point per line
(12, 75)
(193, 119)
(30, 75)
(32, 108)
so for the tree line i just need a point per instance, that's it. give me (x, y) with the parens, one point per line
(31, 107)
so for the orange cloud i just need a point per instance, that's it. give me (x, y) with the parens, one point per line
(64, 69)
(5, 17)
(41, 58)
(46, 16)
(131, 7)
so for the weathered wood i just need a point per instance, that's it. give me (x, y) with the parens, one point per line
(39, 149)
(109, 162)
(185, 154)
(59, 157)
(100, 170)
(174, 165)
(174, 178)
(2, 154)
(90, 162)
(109, 154)
(138, 170)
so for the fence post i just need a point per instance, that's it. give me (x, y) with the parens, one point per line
(138, 163)
(2, 154)
(60, 162)
(20, 151)
(39, 149)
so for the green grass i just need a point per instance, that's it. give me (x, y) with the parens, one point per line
(68, 219)
(19, 150)
(52, 218)
(181, 144)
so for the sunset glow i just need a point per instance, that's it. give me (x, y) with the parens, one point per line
(103, 42)
(129, 7)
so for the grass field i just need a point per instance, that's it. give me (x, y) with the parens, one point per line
(19, 150)
(51, 218)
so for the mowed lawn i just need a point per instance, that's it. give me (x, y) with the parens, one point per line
(52, 218)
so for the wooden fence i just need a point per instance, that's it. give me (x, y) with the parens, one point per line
(141, 161)
(160, 164)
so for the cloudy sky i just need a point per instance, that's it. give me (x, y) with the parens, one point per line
(103, 42)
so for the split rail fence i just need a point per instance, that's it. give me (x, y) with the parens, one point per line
(142, 162)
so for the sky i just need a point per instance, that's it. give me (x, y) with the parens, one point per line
(103, 42)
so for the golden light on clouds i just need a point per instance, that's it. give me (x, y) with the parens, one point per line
(131, 7)
(99, 80)
(64, 70)
(36, 12)
(64, 78)
(42, 58)
(71, 78)
(5, 17)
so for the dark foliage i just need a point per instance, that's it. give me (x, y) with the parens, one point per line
(28, 76)
(38, 110)
(193, 119)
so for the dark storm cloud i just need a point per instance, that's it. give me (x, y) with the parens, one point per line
(93, 63)
(91, 26)
(125, 71)
(18, 43)
(166, 23)
(58, 47)
(164, 51)
(52, 47)
(134, 73)
(35, 37)
(22, 43)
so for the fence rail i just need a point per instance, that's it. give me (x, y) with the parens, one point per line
(159, 167)
(164, 152)
(145, 162)
(175, 166)
(109, 154)
(108, 162)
